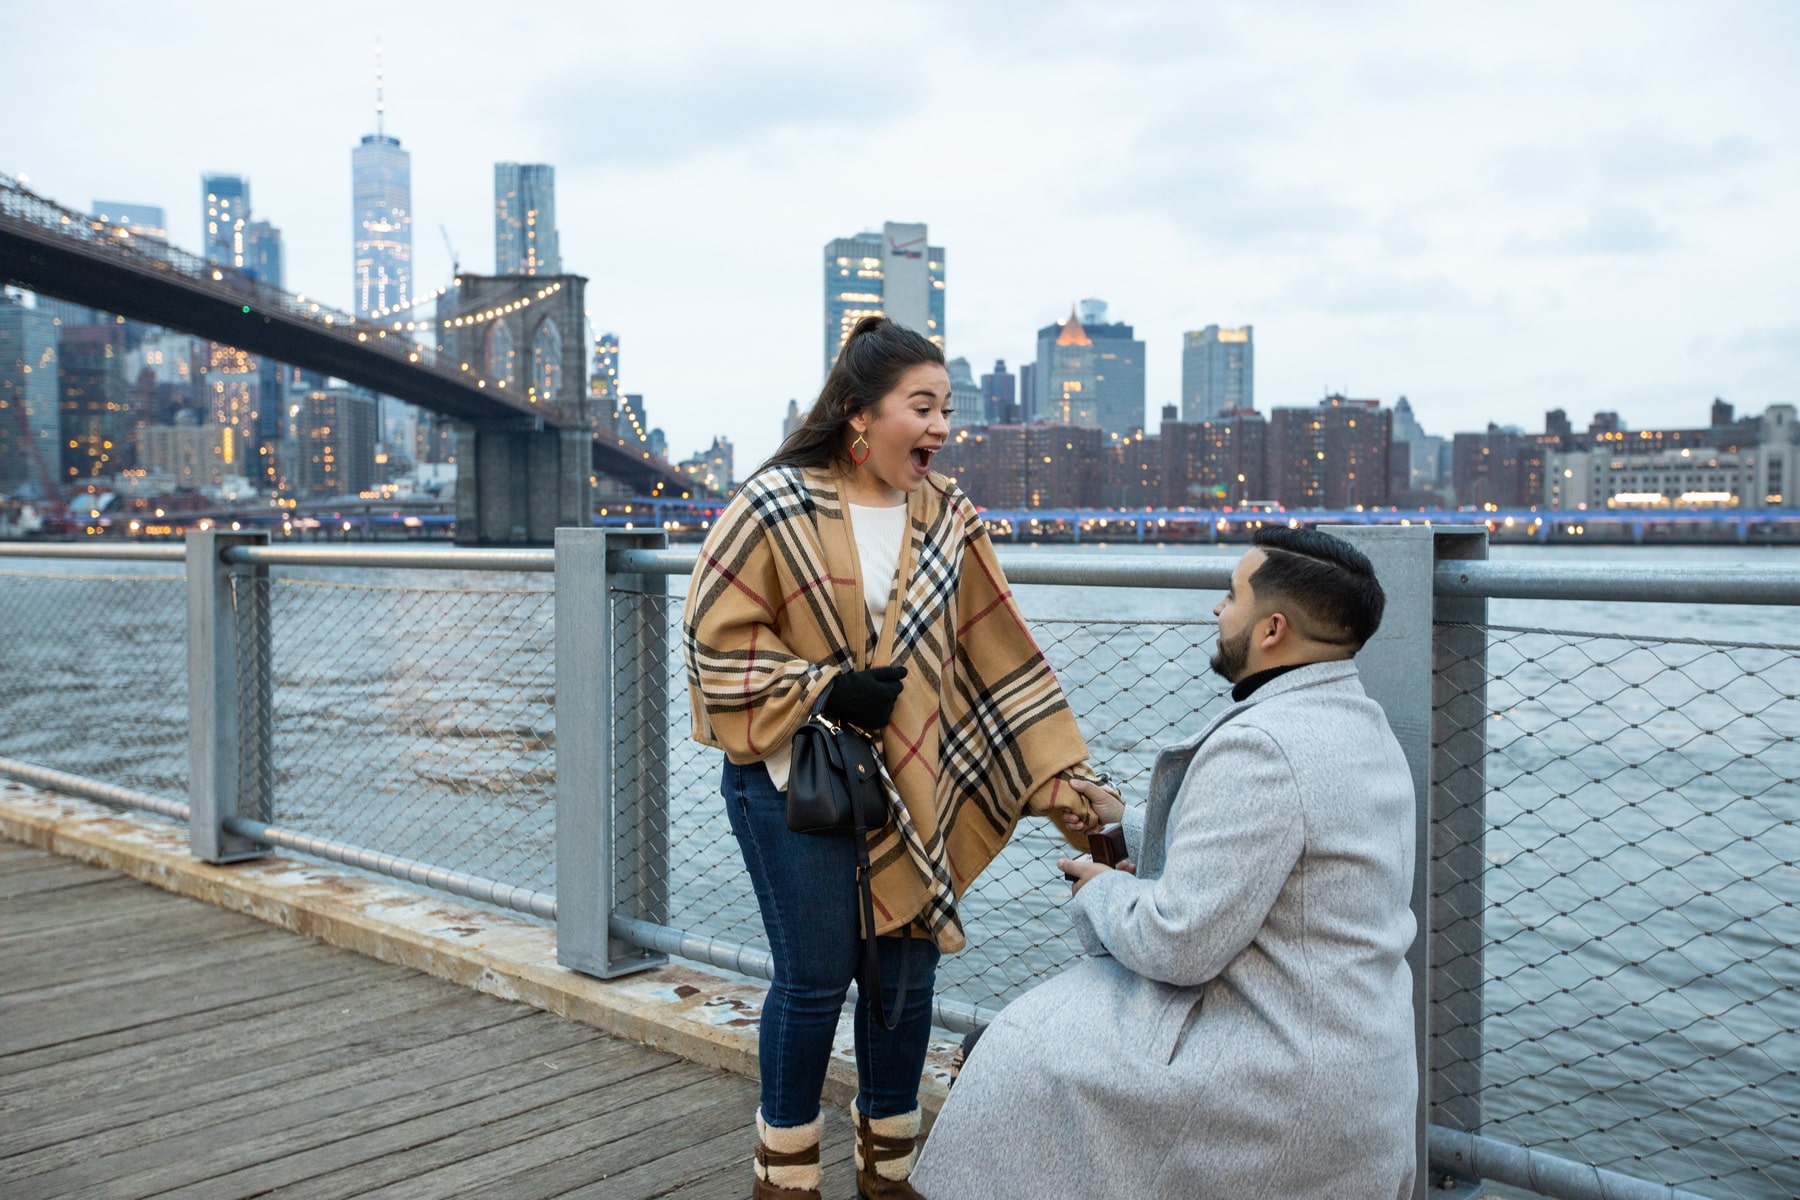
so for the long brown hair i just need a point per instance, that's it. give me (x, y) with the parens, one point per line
(874, 356)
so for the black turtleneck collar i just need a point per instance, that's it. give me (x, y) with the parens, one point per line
(1244, 688)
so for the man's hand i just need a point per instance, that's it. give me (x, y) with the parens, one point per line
(1081, 870)
(1107, 808)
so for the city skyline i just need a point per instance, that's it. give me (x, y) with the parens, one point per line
(1439, 205)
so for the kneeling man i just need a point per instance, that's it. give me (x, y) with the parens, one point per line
(1243, 1027)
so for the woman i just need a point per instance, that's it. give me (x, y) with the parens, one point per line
(847, 577)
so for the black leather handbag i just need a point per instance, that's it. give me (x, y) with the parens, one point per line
(834, 785)
(834, 790)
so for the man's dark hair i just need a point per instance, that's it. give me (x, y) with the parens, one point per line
(1329, 580)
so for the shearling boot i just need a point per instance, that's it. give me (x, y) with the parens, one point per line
(787, 1160)
(886, 1149)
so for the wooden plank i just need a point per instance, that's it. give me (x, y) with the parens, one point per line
(187, 971)
(212, 1099)
(113, 898)
(294, 1025)
(527, 1090)
(638, 1074)
(159, 1025)
(215, 1069)
(51, 875)
(661, 1129)
(77, 964)
(305, 1112)
(292, 969)
(640, 1104)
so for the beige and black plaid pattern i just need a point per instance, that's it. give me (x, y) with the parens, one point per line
(982, 732)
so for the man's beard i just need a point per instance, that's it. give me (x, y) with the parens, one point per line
(1232, 656)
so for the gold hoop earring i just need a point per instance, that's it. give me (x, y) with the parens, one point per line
(866, 450)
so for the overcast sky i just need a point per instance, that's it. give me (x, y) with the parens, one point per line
(1493, 210)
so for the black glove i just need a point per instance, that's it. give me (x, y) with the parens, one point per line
(864, 699)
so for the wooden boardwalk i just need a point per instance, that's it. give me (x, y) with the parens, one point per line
(152, 1045)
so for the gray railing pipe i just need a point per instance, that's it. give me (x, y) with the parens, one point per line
(1621, 582)
(172, 552)
(953, 1015)
(442, 879)
(1472, 1155)
(91, 789)
(429, 558)
(1074, 570)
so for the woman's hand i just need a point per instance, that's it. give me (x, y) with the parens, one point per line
(1106, 805)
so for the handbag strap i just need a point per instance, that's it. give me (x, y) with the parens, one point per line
(871, 951)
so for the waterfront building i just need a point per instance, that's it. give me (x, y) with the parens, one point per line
(95, 419)
(1131, 472)
(895, 273)
(381, 221)
(1118, 374)
(225, 207)
(1332, 455)
(334, 433)
(1026, 466)
(999, 398)
(1628, 472)
(190, 453)
(1218, 372)
(29, 425)
(965, 393)
(525, 241)
(1220, 463)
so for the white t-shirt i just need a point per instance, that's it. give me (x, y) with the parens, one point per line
(880, 535)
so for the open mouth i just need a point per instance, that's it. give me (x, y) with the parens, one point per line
(921, 458)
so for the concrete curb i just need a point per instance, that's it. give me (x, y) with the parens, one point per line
(701, 1016)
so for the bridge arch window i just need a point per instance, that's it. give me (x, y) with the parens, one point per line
(546, 360)
(501, 354)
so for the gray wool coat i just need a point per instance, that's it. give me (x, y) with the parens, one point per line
(1243, 1025)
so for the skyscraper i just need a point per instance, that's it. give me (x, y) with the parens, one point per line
(225, 203)
(525, 220)
(262, 252)
(895, 273)
(381, 202)
(999, 399)
(29, 432)
(1218, 372)
(1090, 373)
(965, 393)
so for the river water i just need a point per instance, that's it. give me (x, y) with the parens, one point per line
(1638, 935)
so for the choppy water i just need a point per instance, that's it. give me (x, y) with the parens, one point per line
(1639, 929)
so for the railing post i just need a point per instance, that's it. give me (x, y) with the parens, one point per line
(1458, 849)
(231, 761)
(1397, 668)
(612, 754)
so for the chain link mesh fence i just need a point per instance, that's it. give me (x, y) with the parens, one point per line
(93, 674)
(417, 720)
(1618, 972)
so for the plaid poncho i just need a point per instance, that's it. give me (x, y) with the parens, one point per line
(981, 732)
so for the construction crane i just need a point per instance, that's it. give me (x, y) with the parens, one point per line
(455, 263)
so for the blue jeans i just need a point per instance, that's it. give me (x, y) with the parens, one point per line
(806, 888)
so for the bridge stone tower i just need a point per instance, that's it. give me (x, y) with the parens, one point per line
(523, 337)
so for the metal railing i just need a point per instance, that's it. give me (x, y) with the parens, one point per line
(1607, 967)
